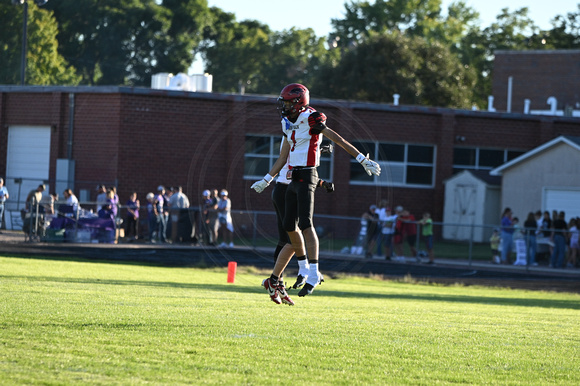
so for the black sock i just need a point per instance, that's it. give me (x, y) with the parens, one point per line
(274, 278)
(301, 257)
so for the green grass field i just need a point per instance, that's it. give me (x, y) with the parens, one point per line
(75, 322)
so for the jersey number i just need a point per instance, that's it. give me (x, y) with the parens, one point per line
(293, 138)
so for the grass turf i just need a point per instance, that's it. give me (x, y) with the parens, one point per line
(67, 322)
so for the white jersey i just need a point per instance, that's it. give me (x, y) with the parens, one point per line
(304, 147)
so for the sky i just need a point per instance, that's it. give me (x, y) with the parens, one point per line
(317, 14)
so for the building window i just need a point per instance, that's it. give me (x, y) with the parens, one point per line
(402, 164)
(262, 151)
(474, 158)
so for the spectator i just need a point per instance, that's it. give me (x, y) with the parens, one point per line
(3, 197)
(494, 244)
(152, 217)
(573, 229)
(398, 235)
(167, 193)
(101, 197)
(507, 236)
(226, 224)
(410, 232)
(388, 221)
(530, 231)
(33, 199)
(49, 209)
(132, 217)
(372, 219)
(207, 207)
(547, 224)
(210, 217)
(178, 207)
(114, 199)
(427, 233)
(106, 211)
(381, 210)
(158, 203)
(71, 200)
(559, 228)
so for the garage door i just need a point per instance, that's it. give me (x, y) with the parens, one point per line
(566, 199)
(27, 161)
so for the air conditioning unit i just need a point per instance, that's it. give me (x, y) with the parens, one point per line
(181, 82)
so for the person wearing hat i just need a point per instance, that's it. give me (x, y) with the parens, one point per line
(3, 197)
(209, 218)
(224, 209)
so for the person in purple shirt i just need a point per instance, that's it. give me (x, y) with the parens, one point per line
(507, 233)
(132, 217)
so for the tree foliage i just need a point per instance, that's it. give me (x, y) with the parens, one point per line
(116, 42)
(386, 64)
(44, 65)
(414, 48)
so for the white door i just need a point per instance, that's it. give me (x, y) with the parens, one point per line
(565, 199)
(27, 161)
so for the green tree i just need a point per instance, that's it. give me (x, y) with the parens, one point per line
(125, 41)
(386, 64)
(295, 56)
(235, 52)
(510, 31)
(44, 65)
(565, 32)
(413, 17)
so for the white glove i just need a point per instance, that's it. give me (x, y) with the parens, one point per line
(259, 186)
(371, 167)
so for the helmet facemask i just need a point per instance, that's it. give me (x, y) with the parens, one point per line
(293, 99)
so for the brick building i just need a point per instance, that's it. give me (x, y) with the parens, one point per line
(138, 138)
(537, 75)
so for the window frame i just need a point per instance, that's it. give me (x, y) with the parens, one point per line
(274, 153)
(405, 164)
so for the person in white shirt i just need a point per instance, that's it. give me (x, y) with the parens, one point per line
(101, 197)
(388, 220)
(303, 128)
(226, 224)
(179, 213)
(71, 200)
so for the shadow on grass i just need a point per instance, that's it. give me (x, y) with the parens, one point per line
(500, 301)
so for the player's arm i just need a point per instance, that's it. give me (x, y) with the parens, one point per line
(259, 186)
(317, 122)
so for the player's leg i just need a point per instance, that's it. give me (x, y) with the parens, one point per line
(305, 188)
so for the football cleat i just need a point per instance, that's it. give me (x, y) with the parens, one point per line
(300, 281)
(271, 288)
(306, 290)
(310, 284)
(284, 295)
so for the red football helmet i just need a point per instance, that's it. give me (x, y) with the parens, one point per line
(293, 99)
